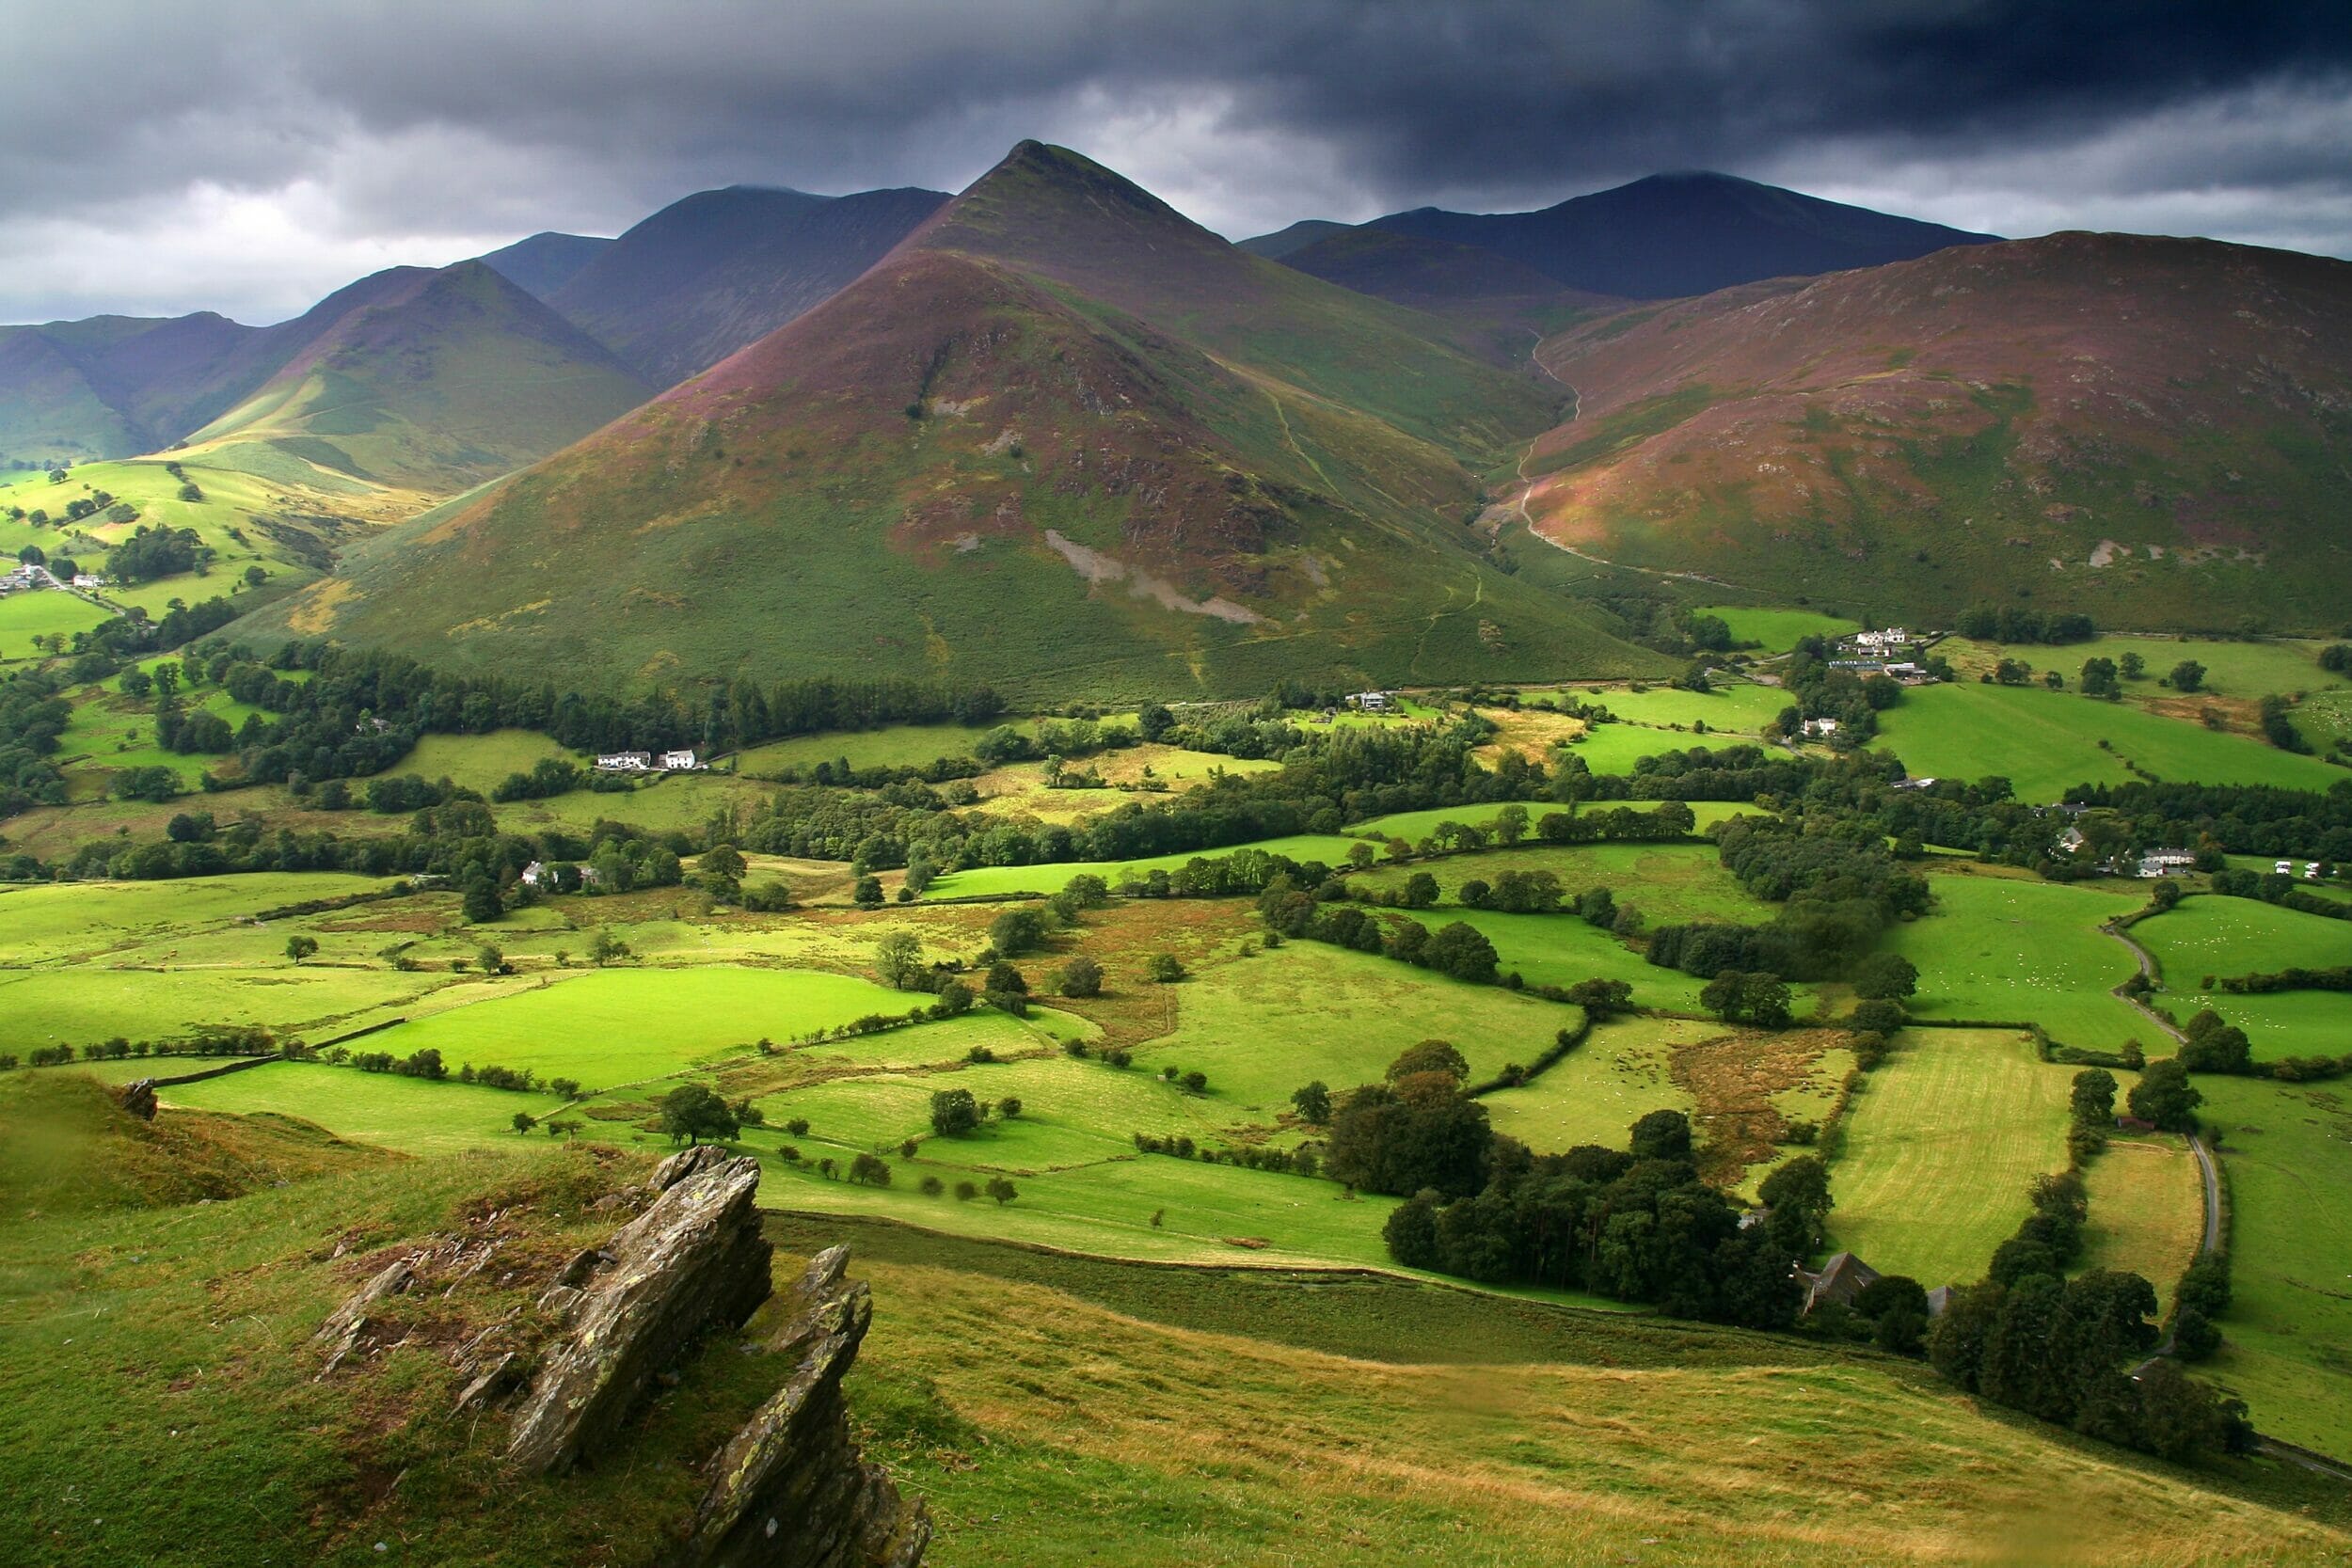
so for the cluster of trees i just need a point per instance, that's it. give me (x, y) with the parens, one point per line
(693, 1112)
(33, 714)
(2017, 623)
(1458, 948)
(157, 552)
(1838, 888)
(2241, 820)
(2214, 1045)
(1637, 1225)
(2060, 1349)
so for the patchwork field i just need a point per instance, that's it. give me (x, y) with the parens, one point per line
(42, 612)
(1942, 1144)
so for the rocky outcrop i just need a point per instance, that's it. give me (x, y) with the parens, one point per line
(791, 1488)
(693, 1262)
(138, 1098)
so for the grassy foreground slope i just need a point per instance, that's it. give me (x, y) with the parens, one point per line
(1061, 440)
(159, 1400)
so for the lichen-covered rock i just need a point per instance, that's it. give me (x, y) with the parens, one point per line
(693, 1261)
(686, 1163)
(138, 1098)
(791, 1490)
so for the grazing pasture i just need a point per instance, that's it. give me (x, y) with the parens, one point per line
(1414, 826)
(482, 761)
(1942, 1143)
(42, 612)
(409, 1114)
(42, 921)
(2288, 1334)
(1621, 1073)
(2209, 935)
(2016, 948)
(1666, 881)
(2047, 743)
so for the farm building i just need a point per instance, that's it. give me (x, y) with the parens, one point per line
(1880, 642)
(1818, 727)
(1373, 702)
(2157, 862)
(682, 762)
(624, 762)
(1840, 1280)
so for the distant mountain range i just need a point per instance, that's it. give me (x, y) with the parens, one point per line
(1059, 439)
(1668, 236)
(1050, 435)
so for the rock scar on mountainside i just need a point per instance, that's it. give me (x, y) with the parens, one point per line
(1096, 567)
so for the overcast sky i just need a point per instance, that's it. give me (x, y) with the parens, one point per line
(158, 156)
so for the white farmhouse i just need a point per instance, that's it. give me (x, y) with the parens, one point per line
(680, 761)
(624, 762)
(1819, 726)
(1373, 702)
(1882, 641)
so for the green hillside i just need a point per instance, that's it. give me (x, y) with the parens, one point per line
(961, 470)
(455, 378)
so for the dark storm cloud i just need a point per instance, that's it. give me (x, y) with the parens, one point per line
(251, 154)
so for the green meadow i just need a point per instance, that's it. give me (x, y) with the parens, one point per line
(405, 1114)
(1668, 883)
(1778, 630)
(2047, 743)
(1941, 1145)
(999, 881)
(1264, 1026)
(1592, 1095)
(42, 612)
(1414, 826)
(2288, 1333)
(2209, 935)
(2147, 1210)
(620, 1025)
(2014, 948)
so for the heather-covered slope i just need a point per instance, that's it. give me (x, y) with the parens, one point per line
(438, 382)
(960, 470)
(1051, 212)
(1515, 305)
(721, 269)
(2156, 431)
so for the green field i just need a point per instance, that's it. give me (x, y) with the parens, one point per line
(1668, 883)
(405, 1113)
(2235, 669)
(892, 746)
(2047, 743)
(2147, 1211)
(2005, 948)
(1942, 1143)
(619, 1026)
(2288, 1333)
(1261, 1027)
(1414, 826)
(999, 881)
(1601, 1088)
(42, 612)
(53, 920)
(2215, 935)
(480, 761)
(1778, 630)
